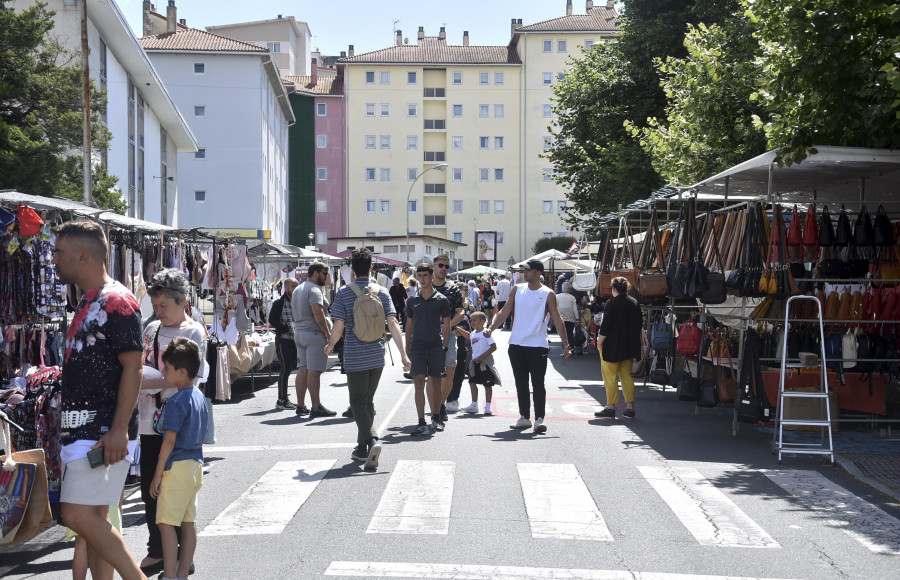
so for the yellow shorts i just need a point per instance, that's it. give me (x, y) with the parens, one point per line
(177, 501)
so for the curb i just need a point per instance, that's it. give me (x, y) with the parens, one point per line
(850, 467)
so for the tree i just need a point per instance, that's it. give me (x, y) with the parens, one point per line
(40, 109)
(561, 243)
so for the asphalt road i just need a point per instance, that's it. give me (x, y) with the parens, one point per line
(670, 494)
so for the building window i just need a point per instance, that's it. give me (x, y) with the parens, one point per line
(412, 141)
(384, 141)
(385, 174)
(546, 143)
(498, 174)
(560, 76)
(548, 45)
(498, 111)
(199, 68)
(321, 206)
(483, 142)
(498, 78)
(370, 174)
(385, 109)
(588, 44)
(457, 206)
(457, 237)
(484, 174)
(547, 78)
(435, 156)
(321, 109)
(199, 110)
(547, 110)
(200, 153)
(411, 77)
(546, 206)
(436, 188)
(484, 78)
(370, 206)
(370, 109)
(484, 206)
(546, 234)
(484, 111)
(411, 173)
(457, 174)
(412, 110)
(547, 174)
(498, 142)
(273, 46)
(435, 220)
(321, 238)
(457, 111)
(370, 141)
(457, 142)
(561, 46)
(321, 142)
(413, 206)
(370, 77)
(385, 206)
(322, 173)
(457, 77)
(200, 196)
(384, 77)
(498, 206)
(561, 207)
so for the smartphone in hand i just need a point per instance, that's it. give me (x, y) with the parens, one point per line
(95, 457)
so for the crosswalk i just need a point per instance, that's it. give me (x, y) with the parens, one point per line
(418, 499)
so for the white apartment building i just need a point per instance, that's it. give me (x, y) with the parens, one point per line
(236, 105)
(481, 110)
(288, 41)
(148, 130)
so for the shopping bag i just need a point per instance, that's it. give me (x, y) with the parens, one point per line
(24, 495)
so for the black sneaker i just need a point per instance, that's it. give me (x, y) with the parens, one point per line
(443, 414)
(360, 452)
(408, 376)
(284, 405)
(606, 414)
(374, 453)
(348, 413)
(437, 425)
(322, 412)
(302, 410)
(629, 413)
(421, 429)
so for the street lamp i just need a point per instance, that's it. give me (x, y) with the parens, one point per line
(440, 166)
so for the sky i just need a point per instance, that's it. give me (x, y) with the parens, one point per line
(369, 24)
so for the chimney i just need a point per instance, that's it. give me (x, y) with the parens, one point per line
(314, 71)
(148, 24)
(568, 7)
(610, 3)
(350, 51)
(279, 17)
(443, 33)
(512, 26)
(421, 34)
(590, 5)
(399, 38)
(171, 16)
(343, 54)
(465, 38)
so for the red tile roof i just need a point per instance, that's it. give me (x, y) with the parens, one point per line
(197, 40)
(434, 50)
(325, 85)
(598, 19)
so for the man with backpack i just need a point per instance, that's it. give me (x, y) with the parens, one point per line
(359, 312)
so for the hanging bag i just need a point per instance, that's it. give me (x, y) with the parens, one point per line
(24, 494)
(688, 386)
(883, 232)
(863, 233)
(726, 386)
(826, 229)
(604, 279)
(689, 339)
(653, 281)
(714, 291)
(843, 235)
(619, 263)
(795, 232)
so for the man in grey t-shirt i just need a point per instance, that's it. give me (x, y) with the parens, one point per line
(311, 334)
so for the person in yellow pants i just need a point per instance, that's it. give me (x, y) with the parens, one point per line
(619, 343)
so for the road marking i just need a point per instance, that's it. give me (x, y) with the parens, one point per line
(867, 524)
(705, 511)
(232, 448)
(559, 504)
(393, 412)
(477, 572)
(271, 503)
(417, 499)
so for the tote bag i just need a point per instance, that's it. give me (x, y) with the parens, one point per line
(23, 488)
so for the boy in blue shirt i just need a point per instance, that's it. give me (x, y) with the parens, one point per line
(179, 472)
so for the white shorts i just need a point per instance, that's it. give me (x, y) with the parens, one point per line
(85, 485)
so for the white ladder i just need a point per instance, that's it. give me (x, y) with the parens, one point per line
(824, 424)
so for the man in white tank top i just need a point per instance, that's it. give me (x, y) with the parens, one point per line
(528, 346)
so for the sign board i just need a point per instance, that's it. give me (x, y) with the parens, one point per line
(245, 233)
(485, 246)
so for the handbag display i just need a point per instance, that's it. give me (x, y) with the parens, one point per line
(883, 233)
(826, 229)
(24, 493)
(661, 336)
(727, 386)
(843, 235)
(863, 232)
(795, 232)
(604, 278)
(619, 269)
(584, 281)
(653, 280)
(714, 289)
(689, 339)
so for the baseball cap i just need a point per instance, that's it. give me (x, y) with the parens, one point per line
(534, 265)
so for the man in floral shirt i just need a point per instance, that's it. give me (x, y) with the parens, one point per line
(100, 383)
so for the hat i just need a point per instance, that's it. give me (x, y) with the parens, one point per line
(6, 218)
(534, 265)
(29, 221)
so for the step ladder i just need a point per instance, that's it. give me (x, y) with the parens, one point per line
(823, 423)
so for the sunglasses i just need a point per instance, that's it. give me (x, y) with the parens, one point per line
(442, 265)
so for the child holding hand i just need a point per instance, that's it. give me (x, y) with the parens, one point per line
(481, 366)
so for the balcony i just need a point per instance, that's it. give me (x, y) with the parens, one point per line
(435, 125)
(435, 156)
(435, 93)
(435, 221)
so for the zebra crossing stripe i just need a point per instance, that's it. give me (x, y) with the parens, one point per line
(867, 524)
(271, 503)
(559, 504)
(416, 500)
(705, 511)
(478, 572)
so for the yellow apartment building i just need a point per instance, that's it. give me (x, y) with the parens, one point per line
(458, 130)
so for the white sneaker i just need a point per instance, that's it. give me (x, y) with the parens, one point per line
(487, 408)
(539, 426)
(452, 406)
(471, 408)
(522, 423)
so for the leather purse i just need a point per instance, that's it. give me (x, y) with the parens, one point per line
(604, 279)
(618, 268)
(688, 387)
(652, 281)
(843, 235)
(727, 386)
(795, 232)
(810, 227)
(883, 232)
(863, 232)
(826, 229)
(714, 289)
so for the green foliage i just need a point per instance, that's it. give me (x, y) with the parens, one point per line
(103, 185)
(561, 243)
(40, 106)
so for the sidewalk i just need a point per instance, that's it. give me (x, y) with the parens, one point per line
(871, 459)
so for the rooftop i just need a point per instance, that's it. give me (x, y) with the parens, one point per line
(197, 40)
(597, 19)
(325, 85)
(435, 50)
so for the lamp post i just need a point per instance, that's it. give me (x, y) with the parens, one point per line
(441, 167)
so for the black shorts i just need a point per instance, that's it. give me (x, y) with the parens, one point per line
(428, 360)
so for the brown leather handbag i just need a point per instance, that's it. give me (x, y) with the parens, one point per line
(619, 270)
(652, 280)
(604, 278)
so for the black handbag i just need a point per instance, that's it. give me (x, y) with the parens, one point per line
(688, 386)
(714, 290)
(843, 236)
(863, 233)
(801, 277)
(708, 394)
(749, 408)
(826, 229)
(883, 233)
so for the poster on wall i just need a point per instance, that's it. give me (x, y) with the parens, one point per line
(485, 246)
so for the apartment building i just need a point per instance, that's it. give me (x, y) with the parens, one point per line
(287, 40)
(459, 129)
(148, 130)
